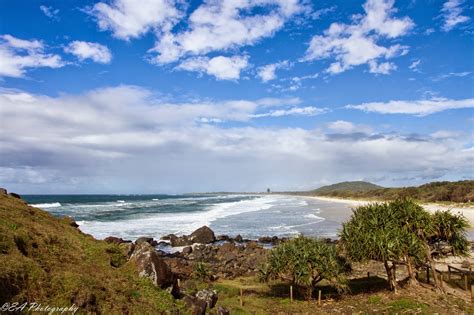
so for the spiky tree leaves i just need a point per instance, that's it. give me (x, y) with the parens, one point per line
(401, 232)
(304, 262)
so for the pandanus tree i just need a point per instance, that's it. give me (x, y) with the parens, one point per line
(304, 262)
(401, 232)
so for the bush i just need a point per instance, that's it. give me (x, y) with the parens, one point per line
(201, 271)
(304, 262)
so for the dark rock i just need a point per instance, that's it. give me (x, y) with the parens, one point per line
(15, 195)
(151, 265)
(114, 240)
(178, 240)
(223, 238)
(239, 239)
(3, 191)
(70, 221)
(207, 295)
(187, 250)
(148, 240)
(195, 306)
(221, 310)
(203, 235)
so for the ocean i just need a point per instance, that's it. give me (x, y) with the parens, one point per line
(251, 216)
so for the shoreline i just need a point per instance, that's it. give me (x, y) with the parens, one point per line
(467, 212)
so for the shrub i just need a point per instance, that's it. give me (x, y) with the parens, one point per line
(304, 262)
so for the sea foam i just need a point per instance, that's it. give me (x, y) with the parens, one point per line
(47, 205)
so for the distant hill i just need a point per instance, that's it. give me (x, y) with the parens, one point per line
(460, 191)
(355, 186)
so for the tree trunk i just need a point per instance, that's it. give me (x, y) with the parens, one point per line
(411, 272)
(391, 276)
(437, 282)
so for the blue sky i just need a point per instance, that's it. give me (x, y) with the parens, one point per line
(174, 96)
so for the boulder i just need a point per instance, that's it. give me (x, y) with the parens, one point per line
(221, 310)
(187, 250)
(150, 265)
(114, 240)
(223, 238)
(239, 239)
(195, 306)
(70, 221)
(148, 240)
(3, 191)
(15, 195)
(207, 295)
(203, 235)
(176, 241)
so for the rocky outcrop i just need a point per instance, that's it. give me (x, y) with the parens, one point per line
(115, 240)
(200, 301)
(70, 221)
(203, 235)
(195, 306)
(208, 296)
(17, 196)
(145, 239)
(152, 266)
(228, 260)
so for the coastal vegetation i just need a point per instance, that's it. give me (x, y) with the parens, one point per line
(48, 260)
(459, 192)
(401, 232)
(304, 262)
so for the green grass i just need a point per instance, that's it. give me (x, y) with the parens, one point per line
(44, 259)
(374, 299)
(405, 304)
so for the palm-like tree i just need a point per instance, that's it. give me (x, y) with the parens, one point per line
(304, 262)
(401, 232)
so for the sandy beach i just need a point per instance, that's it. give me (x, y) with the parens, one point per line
(467, 212)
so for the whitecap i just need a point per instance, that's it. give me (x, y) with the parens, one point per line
(47, 205)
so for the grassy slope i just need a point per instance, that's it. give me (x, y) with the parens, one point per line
(356, 186)
(45, 259)
(461, 191)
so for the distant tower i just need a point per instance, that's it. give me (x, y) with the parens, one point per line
(268, 190)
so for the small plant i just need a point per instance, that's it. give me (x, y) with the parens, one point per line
(374, 299)
(201, 271)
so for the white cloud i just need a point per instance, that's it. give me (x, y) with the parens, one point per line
(381, 68)
(50, 12)
(18, 55)
(223, 68)
(295, 111)
(415, 66)
(267, 72)
(316, 15)
(419, 107)
(356, 44)
(223, 25)
(452, 14)
(87, 50)
(451, 75)
(347, 127)
(128, 19)
(63, 144)
(445, 134)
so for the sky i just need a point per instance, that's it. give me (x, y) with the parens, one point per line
(172, 96)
